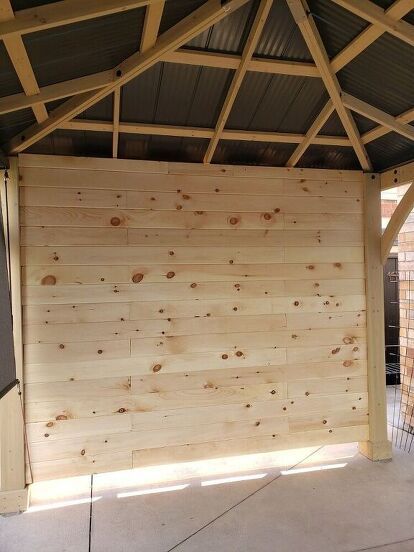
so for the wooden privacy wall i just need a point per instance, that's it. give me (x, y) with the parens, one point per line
(175, 311)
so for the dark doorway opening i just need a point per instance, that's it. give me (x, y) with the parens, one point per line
(392, 320)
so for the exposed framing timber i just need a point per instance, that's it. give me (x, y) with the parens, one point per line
(21, 63)
(378, 116)
(195, 132)
(377, 132)
(374, 14)
(252, 39)
(190, 57)
(310, 136)
(304, 19)
(201, 19)
(396, 221)
(369, 35)
(350, 52)
(397, 176)
(13, 490)
(378, 447)
(64, 12)
(115, 126)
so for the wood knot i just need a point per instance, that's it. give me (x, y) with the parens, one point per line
(83, 452)
(55, 258)
(61, 417)
(115, 221)
(170, 274)
(257, 423)
(185, 196)
(239, 353)
(310, 267)
(61, 346)
(233, 220)
(138, 277)
(193, 285)
(171, 253)
(355, 349)
(231, 261)
(121, 410)
(324, 421)
(267, 216)
(156, 368)
(224, 357)
(49, 424)
(336, 351)
(337, 265)
(347, 363)
(296, 303)
(348, 340)
(277, 210)
(48, 280)
(100, 351)
(307, 393)
(179, 207)
(273, 392)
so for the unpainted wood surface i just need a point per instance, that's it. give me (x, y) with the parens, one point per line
(174, 312)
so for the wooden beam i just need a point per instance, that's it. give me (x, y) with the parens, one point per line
(190, 57)
(304, 19)
(47, 16)
(201, 19)
(350, 52)
(20, 61)
(249, 48)
(115, 133)
(378, 447)
(13, 490)
(397, 176)
(374, 14)
(378, 116)
(311, 134)
(396, 221)
(377, 132)
(369, 35)
(194, 132)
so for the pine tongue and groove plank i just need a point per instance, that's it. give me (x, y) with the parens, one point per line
(229, 448)
(103, 255)
(132, 329)
(95, 217)
(75, 275)
(57, 235)
(314, 313)
(126, 442)
(352, 406)
(159, 381)
(162, 167)
(37, 177)
(168, 297)
(151, 328)
(171, 201)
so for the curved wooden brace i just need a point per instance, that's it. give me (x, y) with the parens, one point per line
(395, 223)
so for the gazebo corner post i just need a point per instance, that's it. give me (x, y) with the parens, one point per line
(377, 447)
(14, 492)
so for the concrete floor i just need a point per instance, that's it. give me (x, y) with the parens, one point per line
(331, 500)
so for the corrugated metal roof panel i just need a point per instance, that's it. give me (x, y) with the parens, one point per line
(196, 94)
(101, 111)
(277, 103)
(23, 4)
(229, 34)
(237, 152)
(78, 49)
(13, 123)
(9, 83)
(176, 10)
(163, 148)
(333, 126)
(337, 26)
(389, 150)
(281, 37)
(319, 157)
(382, 75)
(68, 142)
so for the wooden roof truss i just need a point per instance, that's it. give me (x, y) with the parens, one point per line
(88, 90)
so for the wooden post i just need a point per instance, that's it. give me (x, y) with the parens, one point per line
(13, 490)
(378, 447)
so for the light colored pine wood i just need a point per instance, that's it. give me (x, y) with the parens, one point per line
(396, 222)
(377, 447)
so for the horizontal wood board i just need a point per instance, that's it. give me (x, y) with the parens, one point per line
(177, 312)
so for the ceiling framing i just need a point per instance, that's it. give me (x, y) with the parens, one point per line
(88, 90)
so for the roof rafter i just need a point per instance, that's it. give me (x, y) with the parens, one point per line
(377, 16)
(152, 22)
(201, 19)
(56, 14)
(252, 39)
(377, 132)
(21, 63)
(398, 9)
(300, 12)
(380, 117)
(196, 132)
(192, 57)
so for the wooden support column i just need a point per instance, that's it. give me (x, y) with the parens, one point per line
(13, 489)
(378, 447)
